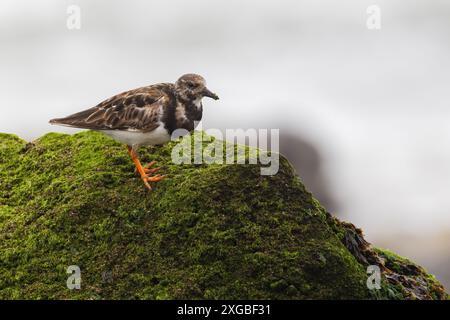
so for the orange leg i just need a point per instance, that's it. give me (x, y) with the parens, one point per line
(144, 171)
(148, 168)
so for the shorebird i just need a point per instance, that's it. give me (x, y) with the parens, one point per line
(146, 116)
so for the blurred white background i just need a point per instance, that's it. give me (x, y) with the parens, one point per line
(364, 114)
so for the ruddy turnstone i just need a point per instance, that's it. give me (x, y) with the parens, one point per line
(146, 116)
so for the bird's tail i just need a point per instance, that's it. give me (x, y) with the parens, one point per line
(77, 120)
(61, 122)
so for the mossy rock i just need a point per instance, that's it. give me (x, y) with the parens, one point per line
(218, 231)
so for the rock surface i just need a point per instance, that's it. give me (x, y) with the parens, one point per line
(207, 232)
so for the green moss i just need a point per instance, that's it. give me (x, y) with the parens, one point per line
(207, 232)
(410, 280)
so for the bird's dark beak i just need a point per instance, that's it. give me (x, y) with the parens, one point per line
(207, 93)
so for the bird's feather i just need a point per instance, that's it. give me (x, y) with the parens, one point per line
(135, 110)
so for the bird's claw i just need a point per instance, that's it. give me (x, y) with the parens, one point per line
(148, 165)
(147, 185)
(151, 170)
(147, 179)
(155, 178)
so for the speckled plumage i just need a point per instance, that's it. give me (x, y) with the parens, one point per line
(153, 111)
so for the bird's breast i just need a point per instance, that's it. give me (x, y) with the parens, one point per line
(160, 135)
(187, 117)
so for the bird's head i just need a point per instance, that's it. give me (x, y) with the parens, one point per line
(192, 87)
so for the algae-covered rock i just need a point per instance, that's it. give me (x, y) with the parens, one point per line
(217, 231)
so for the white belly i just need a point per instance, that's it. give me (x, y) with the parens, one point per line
(136, 138)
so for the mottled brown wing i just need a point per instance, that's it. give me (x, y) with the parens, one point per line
(138, 109)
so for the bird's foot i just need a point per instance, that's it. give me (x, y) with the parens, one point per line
(154, 178)
(147, 179)
(145, 172)
(149, 170)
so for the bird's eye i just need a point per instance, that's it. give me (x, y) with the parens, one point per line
(191, 85)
